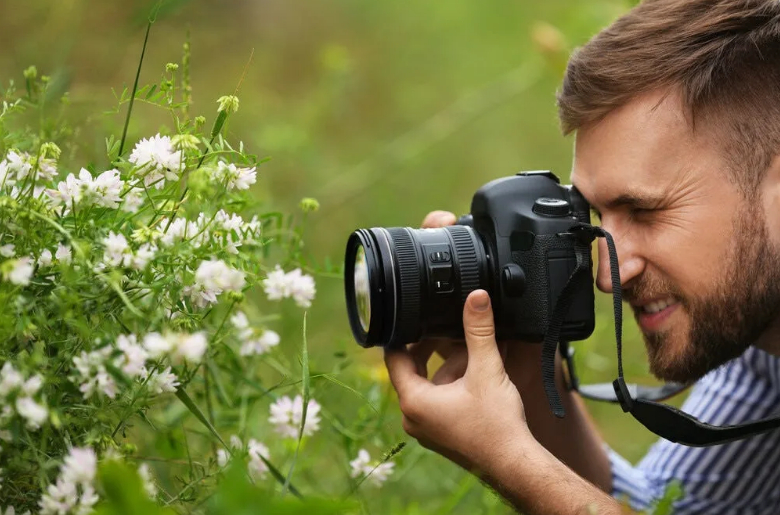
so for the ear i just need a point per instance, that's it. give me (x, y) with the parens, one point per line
(770, 197)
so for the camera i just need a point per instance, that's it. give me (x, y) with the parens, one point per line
(404, 284)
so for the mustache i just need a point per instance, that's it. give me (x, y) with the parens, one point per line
(649, 286)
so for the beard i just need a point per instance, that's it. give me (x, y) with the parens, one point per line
(722, 324)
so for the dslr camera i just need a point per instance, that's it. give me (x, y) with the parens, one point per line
(404, 284)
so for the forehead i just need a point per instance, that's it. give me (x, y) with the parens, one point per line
(646, 147)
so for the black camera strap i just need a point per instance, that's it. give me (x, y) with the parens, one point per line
(661, 419)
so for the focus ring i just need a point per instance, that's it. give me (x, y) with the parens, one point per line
(407, 327)
(468, 263)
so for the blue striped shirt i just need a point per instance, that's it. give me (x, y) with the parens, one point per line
(739, 477)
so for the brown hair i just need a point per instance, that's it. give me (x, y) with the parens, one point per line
(722, 57)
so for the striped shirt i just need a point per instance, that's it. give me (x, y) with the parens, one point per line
(741, 477)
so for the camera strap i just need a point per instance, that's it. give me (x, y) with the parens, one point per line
(664, 420)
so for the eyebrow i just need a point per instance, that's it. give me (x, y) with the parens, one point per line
(634, 200)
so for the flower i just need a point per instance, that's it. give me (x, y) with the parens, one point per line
(18, 271)
(34, 413)
(256, 466)
(257, 346)
(189, 347)
(228, 103)
(105, 189)
(45, 258)
(157, 160)
(222, 457)
(211, 279)
(117, 250)
(10, 379)
(157, 345)
(133, 357)
(134, 198)
(377, 473)
(76, 475)
(143, 256)
(63, 254)
(286, 415)
(161, 382)
(233, 177)
(279, 285)
(92, 373)
(146, 479)
(302, 287)
(7, 250)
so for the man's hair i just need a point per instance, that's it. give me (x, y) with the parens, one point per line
(721, 57)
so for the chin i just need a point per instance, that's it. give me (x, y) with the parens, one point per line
(674, 361)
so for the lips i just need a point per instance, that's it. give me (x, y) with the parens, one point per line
(653, 313)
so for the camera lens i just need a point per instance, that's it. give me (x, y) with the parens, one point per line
(403, 284)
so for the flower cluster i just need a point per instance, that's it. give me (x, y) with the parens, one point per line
(279, 285)
(374, 471)
(256, 451)
(74, 491)
(287, 414)
(251, 342)
(17, 395)
(157, 160)
(232, 177)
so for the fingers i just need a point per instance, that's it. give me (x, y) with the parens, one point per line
(421, 352)
(452, 369)
(402, 369)
(436, 219)
(484, 357)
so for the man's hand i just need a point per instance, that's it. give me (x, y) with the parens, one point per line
(449, 412)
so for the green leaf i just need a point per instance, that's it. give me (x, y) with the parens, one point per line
(122, 492)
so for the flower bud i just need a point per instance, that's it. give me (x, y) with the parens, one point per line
(309, 204)
(228, 103)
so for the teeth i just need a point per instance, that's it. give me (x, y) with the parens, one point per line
(655, 307)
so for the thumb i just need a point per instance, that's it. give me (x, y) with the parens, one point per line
(484, 359)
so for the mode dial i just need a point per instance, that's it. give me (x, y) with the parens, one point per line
(551, 207)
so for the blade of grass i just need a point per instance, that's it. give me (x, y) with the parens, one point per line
(306, 380)
(135, 86)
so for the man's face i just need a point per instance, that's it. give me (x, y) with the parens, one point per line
(698, 264)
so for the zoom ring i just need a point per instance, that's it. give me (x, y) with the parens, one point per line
(467, 260)
(408, 326)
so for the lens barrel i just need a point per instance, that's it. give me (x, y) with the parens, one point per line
(403, 284)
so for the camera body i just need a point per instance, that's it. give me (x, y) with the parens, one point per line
(403, 284)
(523, 222)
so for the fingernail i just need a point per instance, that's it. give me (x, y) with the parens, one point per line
(481, 301)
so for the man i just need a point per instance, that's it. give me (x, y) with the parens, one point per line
(676, 109)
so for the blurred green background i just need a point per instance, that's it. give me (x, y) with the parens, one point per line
(383, 111)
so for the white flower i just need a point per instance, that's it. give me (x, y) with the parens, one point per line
(133, 200)
(233, 177)
(302, 287)
(157, 160)
(235, 442)
(146, 478)
(105, 189)
(286, 415)
(45, 258)
(276, 284)
(117, 250)
(261, 345)
(80, 466)
(11, 510)
(157, 345)
(70, 191)
(133, 357)
(20, 164)
(77, 474)
(10, 379)
(256, 466)
(211, 279)
(32, 385)
(142, 256)
(189, 347)
(279, 285)
(239, 320)
(34, 413)
(63, 254)
(162, 382)
(7, 250)
(18, 271)
(92, 373)
(222, 457)
(363, 466)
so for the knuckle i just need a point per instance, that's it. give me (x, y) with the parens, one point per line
(408, 407)
(480, 330)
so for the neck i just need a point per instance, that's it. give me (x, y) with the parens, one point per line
(769, 341)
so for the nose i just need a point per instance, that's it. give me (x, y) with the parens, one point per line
(631, 264)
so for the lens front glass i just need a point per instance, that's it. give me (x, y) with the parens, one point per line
(362, 288)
